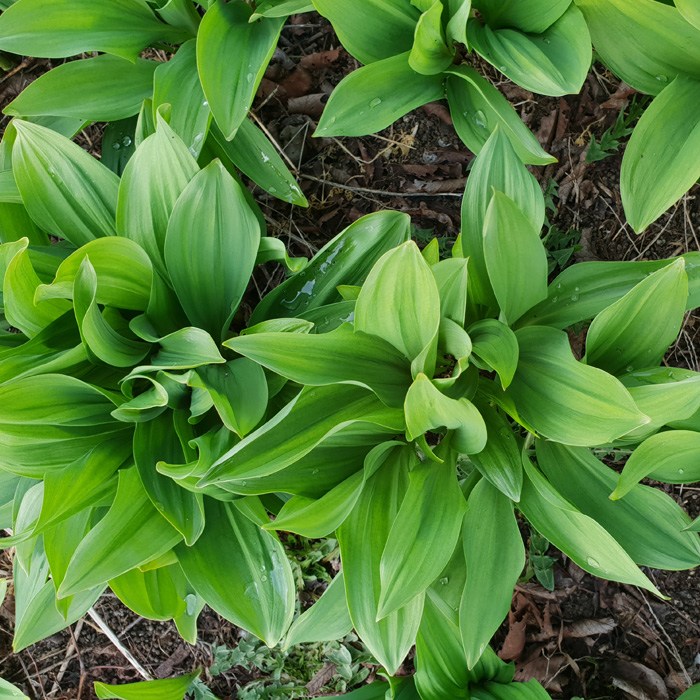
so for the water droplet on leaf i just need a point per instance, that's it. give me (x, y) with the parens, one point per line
(375, 102)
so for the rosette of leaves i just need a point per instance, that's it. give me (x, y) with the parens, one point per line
(450, 402)
(417, 51)
(221, 50)
(115, 390)
(655, 48)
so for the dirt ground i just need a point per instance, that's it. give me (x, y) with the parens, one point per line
(588, 637)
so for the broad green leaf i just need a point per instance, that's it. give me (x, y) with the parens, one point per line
(153, 180)
(316, 518)
(585, 289)
(515, 258)
(579, 536)
(101, 339)
(647, 523)
(118, 144)
(658, 168)
(529, 16)
(623, 30)
(477, 108)
(619, 339)
(8, 188)
(184, 349)
(531, 690)
(427, 409)
(8, 691)
(242, 572)
(210, 266)
(68, 27)
(388, 26)
(179, 13)
(430, 53)
(132, 533)
(330, 358)
(497, 167)
(15, 222)
(101, 89)
(66, 191)
(171, 688)
(124, 274)
(672, 457)
(459, 12)
(554, 62)
(314, 415)
(691, 12)
(495, 345)
(495, 556)
(346, 259)
(49, 421)
(500, 460)
(400, 303)
(326, 620)
(232, 55)
(177, 83)
(253, 153)
(156, 441)
(281, 8)
(693, 693)
(362, 538)
(452, 276)
(565, 400)
(422, 538)
(239, 392)
(273, 250)
(366, 101)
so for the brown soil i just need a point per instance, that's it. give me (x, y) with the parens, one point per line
(589, 637)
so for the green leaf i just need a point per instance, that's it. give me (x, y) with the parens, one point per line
(657, 168)
(451, 276)
(579, 536)
(495, 345)
(691, 12)
(622, 32)
(66, 191)
(554, 62)
(531, 690)
(477, 108)
(497, 167)
(69, 27)
(647, 523)
(8, 691)
(242, 572)
(619, 339)
(171, 688)
(101, 89)
(118, 144)
(314, 415)
(430, 53)
(495, 556)
(671, 457)
(362, 538)
(565, 400)
(366, 101)
(153, 180)
(459, 12)
(500, 460)
(400, 303)
(49, 421)
(326, 620)
(232, 55)
(516, 260)
(427, 409)
(692, 693)
(253, 153)
(422, 538)
(346, 259)
(210, 267)
(529, 16)
(281, 8)
(132, 533)
(330, 358)
(388, 26)
(177, 83)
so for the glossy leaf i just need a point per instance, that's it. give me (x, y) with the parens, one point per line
(101, 89)
(495, 556)
(691, 12)
(477, 108)
(366, 101)
(242, 572)
(529, 16)
(8, 691)
(171, 688)
(430, 53)
(210, 267)
(565, 400)
(495, 344)
(232, 55)
(658, 168)
(66, 191)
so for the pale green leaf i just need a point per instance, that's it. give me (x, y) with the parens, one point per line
(691, 12)
(170, 688)
(430, 53)
(529, 16)
(495, 345)
(8, 691)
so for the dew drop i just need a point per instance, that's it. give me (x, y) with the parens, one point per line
(205, 103)
(629, 368)
(576, 289)
(547, 41)
(263, 578)
(191, 604)
(444, 581)
(126, 141)
(681, 471)
(272, 190)
(479, 119)
(249, 77)
(592, 562)
(198, 138)
(662, 78)
(554, 299)
(315, 471)
(574, 297)
(116, 145)
(559, 285)
(244, 483)
(502, 68)
(375, 102)
(265, 157)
